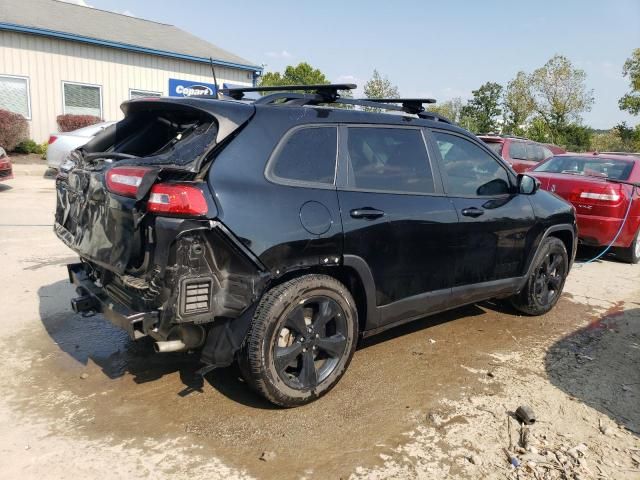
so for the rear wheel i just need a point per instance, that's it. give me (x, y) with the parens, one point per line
(545, 284)
(631, 254)
(301, 340)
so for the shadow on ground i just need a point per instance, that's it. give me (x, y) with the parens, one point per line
(599, 365)
(93, 339)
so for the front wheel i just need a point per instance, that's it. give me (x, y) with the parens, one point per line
(301, 340)
(631, 254)
(544, 285)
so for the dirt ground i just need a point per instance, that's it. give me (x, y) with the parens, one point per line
(432, 399)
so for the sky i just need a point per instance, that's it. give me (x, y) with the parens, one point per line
(426, 48)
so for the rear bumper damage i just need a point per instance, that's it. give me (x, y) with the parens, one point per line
(199, 290)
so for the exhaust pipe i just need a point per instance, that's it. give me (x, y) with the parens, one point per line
(188, 337)
(169, 346)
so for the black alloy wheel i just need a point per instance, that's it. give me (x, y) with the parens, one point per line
(544, 285)
(301, 340)
(310, 343)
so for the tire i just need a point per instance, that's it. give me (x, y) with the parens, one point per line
(301, 340)
(631, 254)
(544, 285)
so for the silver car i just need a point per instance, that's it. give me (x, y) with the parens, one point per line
(60, 144)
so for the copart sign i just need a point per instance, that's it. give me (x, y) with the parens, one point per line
(189, 88)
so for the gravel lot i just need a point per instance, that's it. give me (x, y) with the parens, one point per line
(432, 399)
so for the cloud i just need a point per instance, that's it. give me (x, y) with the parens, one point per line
(281, 54)
(128, 13)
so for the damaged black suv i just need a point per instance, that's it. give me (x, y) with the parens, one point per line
(278, 231)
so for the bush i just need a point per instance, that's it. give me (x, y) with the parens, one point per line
(29, 146)
(13, 129)
(26, 146)
(68, 123)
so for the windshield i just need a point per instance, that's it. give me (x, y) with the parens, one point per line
(588, 166)
(496, 147)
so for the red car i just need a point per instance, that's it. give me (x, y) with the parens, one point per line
(6, 172)
(601, 205)
(520, 153)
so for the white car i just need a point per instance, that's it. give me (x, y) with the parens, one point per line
(60, 144)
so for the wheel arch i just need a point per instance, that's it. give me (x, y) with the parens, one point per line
(355, 274)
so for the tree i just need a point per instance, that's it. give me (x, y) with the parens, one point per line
(379, 87)
(301, 74)
(481, 113)
(518, 104)
(559, 94)
(450, 109)
(631, 101)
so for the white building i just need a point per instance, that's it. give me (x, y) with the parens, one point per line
(59, 58)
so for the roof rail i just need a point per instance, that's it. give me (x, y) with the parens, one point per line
(329, 90)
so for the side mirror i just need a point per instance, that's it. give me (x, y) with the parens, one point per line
(528, 185)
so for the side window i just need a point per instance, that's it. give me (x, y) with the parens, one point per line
(389, 159)
(468, 170)
(547, 153)
(307, 155)
(534, 152)
(518, 150)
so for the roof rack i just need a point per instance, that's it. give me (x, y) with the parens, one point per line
(329, 90)
(301, 95)
(409, 105)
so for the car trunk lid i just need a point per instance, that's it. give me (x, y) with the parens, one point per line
(589, 195)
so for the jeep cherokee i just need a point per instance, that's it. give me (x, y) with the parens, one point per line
(278, 231)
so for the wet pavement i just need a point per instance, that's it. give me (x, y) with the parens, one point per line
(84, 379)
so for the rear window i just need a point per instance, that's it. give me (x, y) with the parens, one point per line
(518, 150)
(389, 159)
(588, 166)
(496, 147)
(307, 155)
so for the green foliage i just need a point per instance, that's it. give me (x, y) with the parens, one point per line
(559, 95)
(379, 87)
(620, 138)
(518, 104)
(301, 74)
(26, 146)
(575, 138)
(631, 101)
(450, 109)
(481, 113)
(29, 146)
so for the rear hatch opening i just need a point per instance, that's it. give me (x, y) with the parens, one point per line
(113, 193)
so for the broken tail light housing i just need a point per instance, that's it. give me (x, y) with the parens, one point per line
(182, 199)
(126, 181)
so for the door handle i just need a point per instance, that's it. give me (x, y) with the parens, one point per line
(473, 212)
(366, 212)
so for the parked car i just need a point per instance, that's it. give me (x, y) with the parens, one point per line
(6, 170)
(585, 180)
(277, 232)
(62, 143)
(520, 153)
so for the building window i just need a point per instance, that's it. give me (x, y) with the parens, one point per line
(133, 94)
(14, 95)
(81, 99)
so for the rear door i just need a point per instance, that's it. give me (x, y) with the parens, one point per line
(494, 220)
(519, 156)
(396, 218)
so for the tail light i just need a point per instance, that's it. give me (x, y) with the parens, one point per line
(177, 199)
(52, 139)
(125, 181)
(607, 195)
